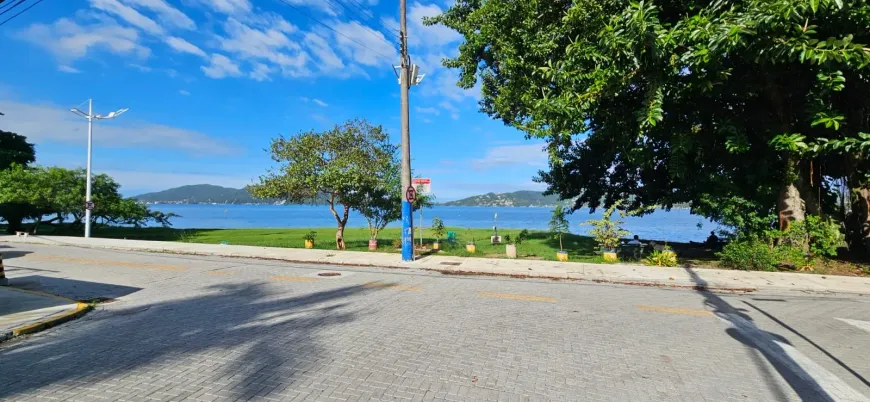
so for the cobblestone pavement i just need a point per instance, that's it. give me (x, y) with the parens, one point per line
(205, 328)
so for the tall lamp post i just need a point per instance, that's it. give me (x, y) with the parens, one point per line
(89, 204)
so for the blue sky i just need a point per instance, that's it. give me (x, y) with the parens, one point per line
(209, 82)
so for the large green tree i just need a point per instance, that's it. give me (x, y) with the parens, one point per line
(728, 105)
(344, 163)
(14, 150)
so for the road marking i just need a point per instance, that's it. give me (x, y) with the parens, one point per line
(292, 278)
(799, 365)
(675, 310)
(865, 325)
(86, 261)
(392, 286)
(513, 296)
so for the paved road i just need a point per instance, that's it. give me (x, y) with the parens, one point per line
(206, 328)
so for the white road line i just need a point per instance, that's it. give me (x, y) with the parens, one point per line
(865, 325)
(794, 361)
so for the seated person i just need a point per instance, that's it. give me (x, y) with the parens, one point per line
(713, 239)
(635, 241)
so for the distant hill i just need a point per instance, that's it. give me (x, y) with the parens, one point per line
(514, 199)
(202, 194)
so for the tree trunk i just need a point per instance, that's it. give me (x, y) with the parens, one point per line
(790, 206)
(341, 221)
(860, 221)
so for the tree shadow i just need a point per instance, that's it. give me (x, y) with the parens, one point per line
(241, 340)
(777, 350)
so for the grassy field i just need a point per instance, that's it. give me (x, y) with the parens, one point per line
(540, 245)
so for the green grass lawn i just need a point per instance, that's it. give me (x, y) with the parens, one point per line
(540, 245)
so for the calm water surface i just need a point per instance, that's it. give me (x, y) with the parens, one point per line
(675, 225)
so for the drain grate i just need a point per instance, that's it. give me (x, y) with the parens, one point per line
(329, 274)
(451, 263)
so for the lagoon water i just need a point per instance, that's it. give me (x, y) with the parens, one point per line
(676, 225)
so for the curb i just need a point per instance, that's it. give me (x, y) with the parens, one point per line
(80, 310)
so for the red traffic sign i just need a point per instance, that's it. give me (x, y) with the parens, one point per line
(411, 194)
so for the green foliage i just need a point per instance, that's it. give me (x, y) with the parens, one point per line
(749, 255)
(310, 236)
(34, 193)
(673, 102)
(664, 258)
(522, 236)
(397, 243)
(822, 237)
(608, 231)
(352, 163)
(437, 228)
(14, 149)
(559, 224)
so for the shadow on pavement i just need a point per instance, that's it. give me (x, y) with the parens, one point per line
(772, 346)
(240, 341)
(71, 288)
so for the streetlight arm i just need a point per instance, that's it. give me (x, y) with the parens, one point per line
(78, 112)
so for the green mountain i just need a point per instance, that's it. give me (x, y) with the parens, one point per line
(202, 194)
(514, 199)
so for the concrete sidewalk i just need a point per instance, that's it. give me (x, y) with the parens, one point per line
(610, 273)
(25, 311)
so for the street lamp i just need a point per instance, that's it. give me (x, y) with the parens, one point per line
(89, 205)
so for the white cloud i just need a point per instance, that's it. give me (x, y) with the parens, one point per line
(128, 14)
(69, 41)
(230, 7)
(260, 72)
(329, 61)
(526, 155)
(436, 35)
(42, 123)
(454, 112)
(368, 47)
(265, 45)
(184, 92)
(221, 66)
(427, 110)
(67, 69)
(444, 85)
(181, 45)
(320, 102)
(425, 120)
(167, 13)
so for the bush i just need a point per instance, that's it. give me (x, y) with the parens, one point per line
(662, 259)
(397, 243)
(749, 255)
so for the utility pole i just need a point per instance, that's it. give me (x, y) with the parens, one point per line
(90, 116)
(405, 84)
(407, 73)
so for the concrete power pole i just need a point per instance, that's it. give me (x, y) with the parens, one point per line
(405, 84)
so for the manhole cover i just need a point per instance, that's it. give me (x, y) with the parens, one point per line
(329, 274)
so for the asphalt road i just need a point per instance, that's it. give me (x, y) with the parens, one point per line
(205, 328)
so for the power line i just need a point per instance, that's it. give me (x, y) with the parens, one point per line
(369, 15)
(13, 6)
(333, 29)
(20, 12)
(365, 15)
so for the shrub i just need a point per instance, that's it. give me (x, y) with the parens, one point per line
(437, 228)
(822, 236)
(310, 236)
(749, 255)
(607, 231)
(397, 243)
(662, 259)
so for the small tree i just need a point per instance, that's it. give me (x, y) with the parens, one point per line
(344, 163)
(559, 224)
(437, 228)
(608, 232)
(382, 204)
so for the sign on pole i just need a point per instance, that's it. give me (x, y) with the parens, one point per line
(423, 185)
(89, 205)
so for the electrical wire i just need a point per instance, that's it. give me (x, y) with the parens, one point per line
(334, 30)
(368, 15)
(20, 12)
(20, 2)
